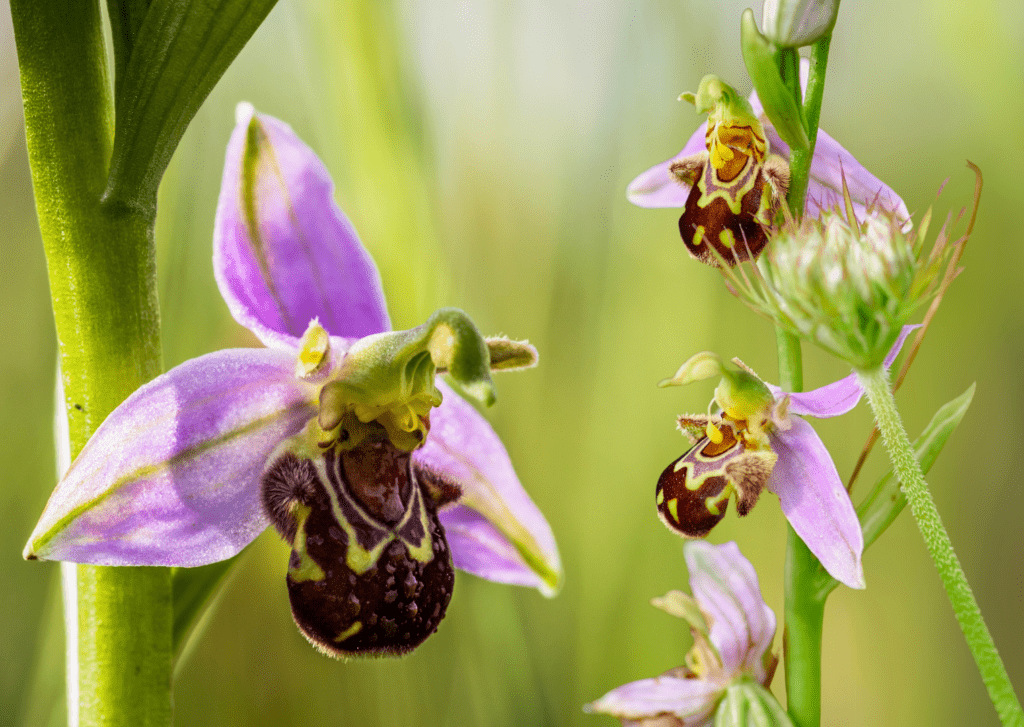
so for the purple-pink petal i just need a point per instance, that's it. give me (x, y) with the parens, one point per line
(479, 548)
(840, 396)
(694, 699)
(171, 478)
(657, 187)
(301, 259)
(463, 447)
(816, 503)
(725, 586)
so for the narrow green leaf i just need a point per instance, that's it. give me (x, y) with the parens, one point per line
(177, 55)
(193, 591)
(886, 501)
(779, 105)
(126, 18)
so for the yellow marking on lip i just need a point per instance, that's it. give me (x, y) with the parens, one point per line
(661, 496)
(349, 632)
(698, 236)
(728, 239)
(714, 433)
(673, 508)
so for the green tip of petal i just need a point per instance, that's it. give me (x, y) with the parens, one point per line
(700, 366)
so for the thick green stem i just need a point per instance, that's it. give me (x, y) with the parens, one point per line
(800, 159)
(102, 280)
(805, 599)
(908, 470)
(805, 602)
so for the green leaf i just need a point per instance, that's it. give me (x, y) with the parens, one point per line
(126, 17)
(886, 501)
(166, 68)
(779, 105)
(193, 590)
(747, 704)
(881, 508)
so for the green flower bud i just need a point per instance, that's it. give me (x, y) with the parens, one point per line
(845, 285)
(795, 23)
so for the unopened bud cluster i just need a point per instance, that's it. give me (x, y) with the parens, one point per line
(846, 285)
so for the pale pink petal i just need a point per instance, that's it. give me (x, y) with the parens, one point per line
(657, 187)
(840, 396)
(463, 447)
(725, 587)
(302, 259)
(816, 503)
(685, 698)
(479, 548)
(172, 476)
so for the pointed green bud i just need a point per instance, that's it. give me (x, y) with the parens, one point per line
(795, 23)
(682, 605)
(747, 704)
(700, 366)
(389, 377)
(779, 105)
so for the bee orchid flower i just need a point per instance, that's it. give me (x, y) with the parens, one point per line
(339, 433)
(730, 660)
(732, 174)
(757, 442)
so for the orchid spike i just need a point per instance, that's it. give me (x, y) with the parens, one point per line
(378, 475)
(758, 442)
(732, 629)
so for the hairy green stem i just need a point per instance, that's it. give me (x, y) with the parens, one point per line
(101, 266)
(908, 470)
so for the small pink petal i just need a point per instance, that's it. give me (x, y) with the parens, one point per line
(463, 446)
(657, 187)
(304, 259)
(725, 586)
(685, 698)
(172, 476)
(840, 396)
(816, 503)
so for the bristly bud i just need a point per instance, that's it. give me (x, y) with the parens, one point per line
(795, 23)
(846, 285)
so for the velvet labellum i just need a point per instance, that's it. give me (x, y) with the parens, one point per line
(736, 187)
(370, 571)
(693, 492)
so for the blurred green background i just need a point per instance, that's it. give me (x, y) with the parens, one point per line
(482, 149)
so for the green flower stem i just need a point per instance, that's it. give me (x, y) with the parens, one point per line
(800, 159)
(805, 602)
(908, 470)
(805, 599)
(101, 266)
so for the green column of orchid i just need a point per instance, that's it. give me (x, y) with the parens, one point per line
(103, 285)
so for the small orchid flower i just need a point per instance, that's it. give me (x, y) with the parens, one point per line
(732, 629)
(379, 476)
(756, 442)
(727, 202)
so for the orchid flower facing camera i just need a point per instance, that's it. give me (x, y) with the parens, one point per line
(379, 476)
(731, 176)
(756, 442)
(730, 665)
